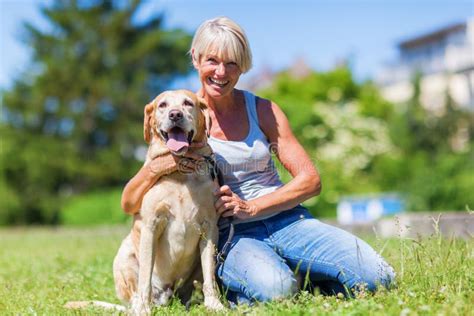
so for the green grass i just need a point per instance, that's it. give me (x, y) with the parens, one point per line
(41, 269)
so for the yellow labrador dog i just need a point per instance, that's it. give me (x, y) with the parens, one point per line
(177, 225)
(176, 230)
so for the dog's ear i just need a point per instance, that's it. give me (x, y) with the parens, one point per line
(147, 121)
(207, 119)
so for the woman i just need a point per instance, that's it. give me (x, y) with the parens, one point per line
(275, 240)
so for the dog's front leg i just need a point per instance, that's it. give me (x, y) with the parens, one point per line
(207, 246)
(151, 230)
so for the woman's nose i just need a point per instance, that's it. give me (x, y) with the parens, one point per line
(220, 69)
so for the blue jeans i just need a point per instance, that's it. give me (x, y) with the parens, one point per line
(266, 259)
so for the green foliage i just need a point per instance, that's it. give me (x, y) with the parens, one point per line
(363, 144)
(94, 208)
(73, 121)
(434, 166)
(40, 274)
(297, 96)
(341, 125)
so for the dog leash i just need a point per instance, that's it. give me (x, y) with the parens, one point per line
(221, 254)
(217, 174)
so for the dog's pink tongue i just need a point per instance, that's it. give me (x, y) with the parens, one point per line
(176, 140)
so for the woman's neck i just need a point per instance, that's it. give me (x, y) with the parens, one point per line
(219, 105)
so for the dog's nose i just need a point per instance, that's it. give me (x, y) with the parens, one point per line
(175, 115)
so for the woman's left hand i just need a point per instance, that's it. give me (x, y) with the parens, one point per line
(230, 204)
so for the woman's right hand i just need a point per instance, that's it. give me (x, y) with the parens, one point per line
(169, 163)
(147, 176)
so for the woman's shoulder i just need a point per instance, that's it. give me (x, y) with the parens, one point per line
(267, 110)
(262, 104)
(268, 113)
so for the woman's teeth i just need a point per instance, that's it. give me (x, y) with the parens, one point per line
(218, 82)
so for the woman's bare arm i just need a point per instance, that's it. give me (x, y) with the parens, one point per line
(305, 183)
(146, 177)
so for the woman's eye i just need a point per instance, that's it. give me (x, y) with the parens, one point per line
(211, 60)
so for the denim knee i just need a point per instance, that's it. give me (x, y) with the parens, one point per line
(386, 275)
(372, 278)
(254, 270)
(274, 286)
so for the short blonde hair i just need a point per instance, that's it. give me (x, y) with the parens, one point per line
(225, 38)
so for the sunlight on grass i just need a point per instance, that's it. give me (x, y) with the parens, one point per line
(44, 268)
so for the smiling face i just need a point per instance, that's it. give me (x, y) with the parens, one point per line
(175, 119)
(218, 73)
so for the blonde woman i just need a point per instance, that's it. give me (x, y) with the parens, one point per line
(274, 239)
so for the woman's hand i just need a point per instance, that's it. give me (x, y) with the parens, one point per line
(147, 176)
(230, 204)
(169, 163)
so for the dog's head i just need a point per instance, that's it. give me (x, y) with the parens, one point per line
(176, 118)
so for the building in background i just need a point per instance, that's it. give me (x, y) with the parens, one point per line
(368, 208)
(445, 60)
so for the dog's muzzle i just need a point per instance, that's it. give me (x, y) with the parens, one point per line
(175, 116)
(177, 139)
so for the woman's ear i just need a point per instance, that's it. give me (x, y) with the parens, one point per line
(147, 121)
(195, 60)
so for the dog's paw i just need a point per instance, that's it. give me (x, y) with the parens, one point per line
(139, 307)
(213, 303)
(162, 297)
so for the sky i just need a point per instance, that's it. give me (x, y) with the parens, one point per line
(323, 33)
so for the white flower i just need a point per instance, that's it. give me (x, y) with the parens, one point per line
(356, 139)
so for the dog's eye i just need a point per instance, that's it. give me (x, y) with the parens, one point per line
(162, 105)
(188, 103)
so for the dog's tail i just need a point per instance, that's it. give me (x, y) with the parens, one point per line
(104, 305)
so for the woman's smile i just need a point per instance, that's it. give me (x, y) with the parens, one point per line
(220, 83)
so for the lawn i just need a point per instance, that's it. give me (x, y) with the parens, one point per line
(43, 268)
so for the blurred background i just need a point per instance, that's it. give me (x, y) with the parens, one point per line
(380, 93)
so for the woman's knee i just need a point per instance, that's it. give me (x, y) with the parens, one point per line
(275, 286)
(255, 270)
(385, 276)
(381, 274)
(365, 279)
(266, 283)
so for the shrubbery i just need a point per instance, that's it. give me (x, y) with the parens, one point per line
(363, 144)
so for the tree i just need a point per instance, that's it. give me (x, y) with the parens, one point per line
(435, 165)
(73, 121)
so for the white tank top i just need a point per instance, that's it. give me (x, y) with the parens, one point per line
(247, 166)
